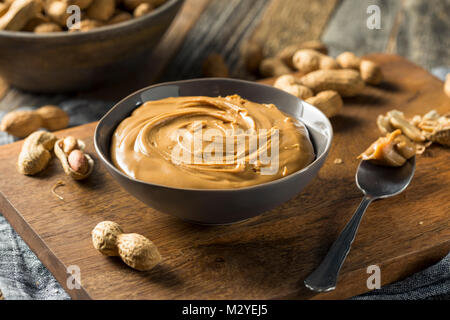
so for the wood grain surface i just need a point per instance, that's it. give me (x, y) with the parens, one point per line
(423, 32)
(266, 257)
(220, 29)
(157, 62)
(287, 22)
(340, 35)
(414, 29)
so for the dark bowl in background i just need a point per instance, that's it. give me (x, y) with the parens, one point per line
(217, 206)
(64, 62)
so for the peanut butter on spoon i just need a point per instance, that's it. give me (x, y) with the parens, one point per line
(392, 150)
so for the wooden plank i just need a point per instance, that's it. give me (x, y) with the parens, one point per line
(288, 22)
(226, 24)
(423, 35)
(221, 29)
(40, 248)
(163, 53)
(265, 257)
(175, 37)
(415, 29)
(347, 29)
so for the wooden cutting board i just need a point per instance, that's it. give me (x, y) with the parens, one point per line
(266, 257)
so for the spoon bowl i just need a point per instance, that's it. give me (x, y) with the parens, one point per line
(382, 182)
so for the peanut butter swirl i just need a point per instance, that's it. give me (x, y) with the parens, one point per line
(210, 143)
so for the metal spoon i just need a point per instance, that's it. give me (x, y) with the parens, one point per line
(376, 182)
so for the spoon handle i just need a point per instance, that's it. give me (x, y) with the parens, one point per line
(325, 276)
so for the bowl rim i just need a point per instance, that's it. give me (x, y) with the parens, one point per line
(97, 31)
(104, 159)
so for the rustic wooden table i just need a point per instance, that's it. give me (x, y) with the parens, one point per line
(266, 257)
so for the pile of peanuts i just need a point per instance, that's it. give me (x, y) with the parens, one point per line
(322, 80)
(44, 16)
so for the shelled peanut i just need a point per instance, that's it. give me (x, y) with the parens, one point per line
(403, 138)
(37, 149)
(76, 163)
(134, 249)
(422, 130)
(43, 16)
(23, 123)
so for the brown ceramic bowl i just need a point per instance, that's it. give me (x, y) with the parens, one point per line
(221, 206)
(63, 61)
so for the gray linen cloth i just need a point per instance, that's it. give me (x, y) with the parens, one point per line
(23, 276)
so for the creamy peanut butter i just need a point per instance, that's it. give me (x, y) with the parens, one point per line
(210, 143)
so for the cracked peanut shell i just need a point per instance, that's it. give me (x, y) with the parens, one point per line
(63, 158)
